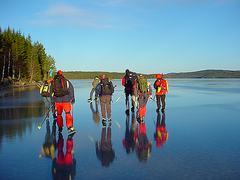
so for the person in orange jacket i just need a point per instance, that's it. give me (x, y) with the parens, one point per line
(161, 87)
(161, 133)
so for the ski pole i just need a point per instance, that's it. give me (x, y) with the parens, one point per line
(117, 99)
(46, 117)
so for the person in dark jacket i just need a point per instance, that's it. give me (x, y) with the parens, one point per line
(105, 90)
(104, 150)
(63, 95)
(129, 81)
(129, 139)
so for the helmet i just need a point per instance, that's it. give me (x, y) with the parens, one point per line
(59, 72)
(159, 76)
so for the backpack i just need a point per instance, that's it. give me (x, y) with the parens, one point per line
(107, 88)
(130, 78)
(45, 89)
(60, 86)
(142, 84)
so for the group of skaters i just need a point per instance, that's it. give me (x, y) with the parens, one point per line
(136, 138)
(137, 92)
(136, 87)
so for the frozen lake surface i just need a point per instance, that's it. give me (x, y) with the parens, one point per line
(202, 121)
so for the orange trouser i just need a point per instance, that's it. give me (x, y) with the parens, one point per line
(142, 111)
(65, 159)
(66, 106)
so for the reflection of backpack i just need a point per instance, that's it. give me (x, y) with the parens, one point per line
(130, 78)
(60, 86)
(45, 90)
(107, 88)
(142, 84)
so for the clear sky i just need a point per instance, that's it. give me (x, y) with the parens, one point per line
(146, 36)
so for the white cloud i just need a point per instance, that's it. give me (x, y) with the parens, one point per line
(63, 10)
(68, 15)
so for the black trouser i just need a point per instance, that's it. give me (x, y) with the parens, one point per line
(162, 99)
(127, 94)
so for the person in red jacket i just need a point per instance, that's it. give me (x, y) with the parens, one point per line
(161, 87)
(64, 164)
(63, 96)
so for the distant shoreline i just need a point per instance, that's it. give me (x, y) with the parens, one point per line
(4, 89)
(196, 74)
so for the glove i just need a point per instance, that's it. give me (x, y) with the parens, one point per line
(73, 101)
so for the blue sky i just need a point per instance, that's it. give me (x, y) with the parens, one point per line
(146, 36)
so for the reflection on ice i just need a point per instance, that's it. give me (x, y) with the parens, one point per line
(189, 139)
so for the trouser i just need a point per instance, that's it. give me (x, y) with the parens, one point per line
(67, 158)
(133, 99)
(142, 112)
(106, 143)
(91, 93)
(66, 106)
(105, 102)
(161, 99)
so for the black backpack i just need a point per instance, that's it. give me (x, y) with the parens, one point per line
(130, 78)
(107, 87)
(60, 86)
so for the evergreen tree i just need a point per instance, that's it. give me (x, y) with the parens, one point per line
(22, 59)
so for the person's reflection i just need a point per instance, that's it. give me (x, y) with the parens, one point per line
(64, 165)
(49, 145)
(129, 140)
(95, 112)
(143, 146)
(104, 150)
(161, 133)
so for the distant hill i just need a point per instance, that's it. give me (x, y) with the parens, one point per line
(206, 74)
(195, 74)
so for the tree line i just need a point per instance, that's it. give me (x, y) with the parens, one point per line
(92, 74)
(21, 59)
(118, 75)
